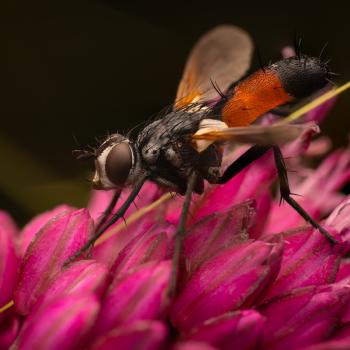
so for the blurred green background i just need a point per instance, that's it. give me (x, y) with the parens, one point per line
(77, 69)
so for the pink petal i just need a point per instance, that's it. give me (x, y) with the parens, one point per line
(140, 335)
(152, 245)
(283, 217)
(8, 224)
(63, 324)
(288, 51)
(319, 147)
(250, 183)
(84, 276)
(228, 281)
(60, 238)
(331, 175)
(308, 259)
(9, 264)
(319, 113)
(192, 345)
(344, 270)
(303, 316)
(341, 344)
(233, 330)
(33, 226)
(340, 218)
(107, 250)
(137, 295)
(217, 231)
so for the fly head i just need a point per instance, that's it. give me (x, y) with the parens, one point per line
(114, 162)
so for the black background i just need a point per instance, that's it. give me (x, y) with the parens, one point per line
(77, 69)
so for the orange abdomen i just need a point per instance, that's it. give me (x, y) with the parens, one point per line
(253, 97)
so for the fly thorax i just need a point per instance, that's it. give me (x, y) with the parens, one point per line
(150, 153)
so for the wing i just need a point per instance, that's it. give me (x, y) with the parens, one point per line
(222, 56)
(277, 134)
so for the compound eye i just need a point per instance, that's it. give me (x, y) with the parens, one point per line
(119, 163)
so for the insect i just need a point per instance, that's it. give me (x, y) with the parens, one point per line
(182, 149)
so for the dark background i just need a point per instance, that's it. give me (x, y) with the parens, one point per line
(77, 69)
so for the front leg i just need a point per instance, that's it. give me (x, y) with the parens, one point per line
(116, 216)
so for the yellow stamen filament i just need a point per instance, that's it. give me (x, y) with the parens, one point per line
(135, 216)
(7, 306)
(315, 103)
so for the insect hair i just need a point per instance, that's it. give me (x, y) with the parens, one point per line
(261, 64)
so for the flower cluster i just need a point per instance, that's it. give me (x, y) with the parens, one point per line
(252, 275)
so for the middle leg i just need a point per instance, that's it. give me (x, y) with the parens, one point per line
(180, 233)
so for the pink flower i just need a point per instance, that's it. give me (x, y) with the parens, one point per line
(84, 276)
(233, 330)
(139, 294)
(232, 279)
(308, 260)
(62, 324)
(48, 251)
(9, 264)
(141, 335)
(252, 274)
(303, 316)
(33, 227)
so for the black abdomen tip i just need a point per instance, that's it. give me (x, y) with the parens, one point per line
(301, 76)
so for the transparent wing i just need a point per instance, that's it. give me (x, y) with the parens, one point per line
(221, 56)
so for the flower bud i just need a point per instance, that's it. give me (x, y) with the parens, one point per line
(233, 330)
(216, 232)
(192, 345)
(59, 239)
(140, 335)
(84, 276)
(62, 324)
(33, 226)
(9, 264)
(308, 259)
(152, 245)
(8, 224)
(139, 294)
(303, 316)
(230, 280)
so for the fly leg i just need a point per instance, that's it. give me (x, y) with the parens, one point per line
(286, 194)
(116, 216)
(180, 233)
(109, 209)
(253, 154)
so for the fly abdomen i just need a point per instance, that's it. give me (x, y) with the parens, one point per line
(275, 85)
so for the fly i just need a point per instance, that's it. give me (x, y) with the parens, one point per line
(183, 148)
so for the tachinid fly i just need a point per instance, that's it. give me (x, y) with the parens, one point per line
(183, 148)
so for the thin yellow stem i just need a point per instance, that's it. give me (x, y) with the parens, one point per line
(7, 306)
(135, 216)
(315, 103)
